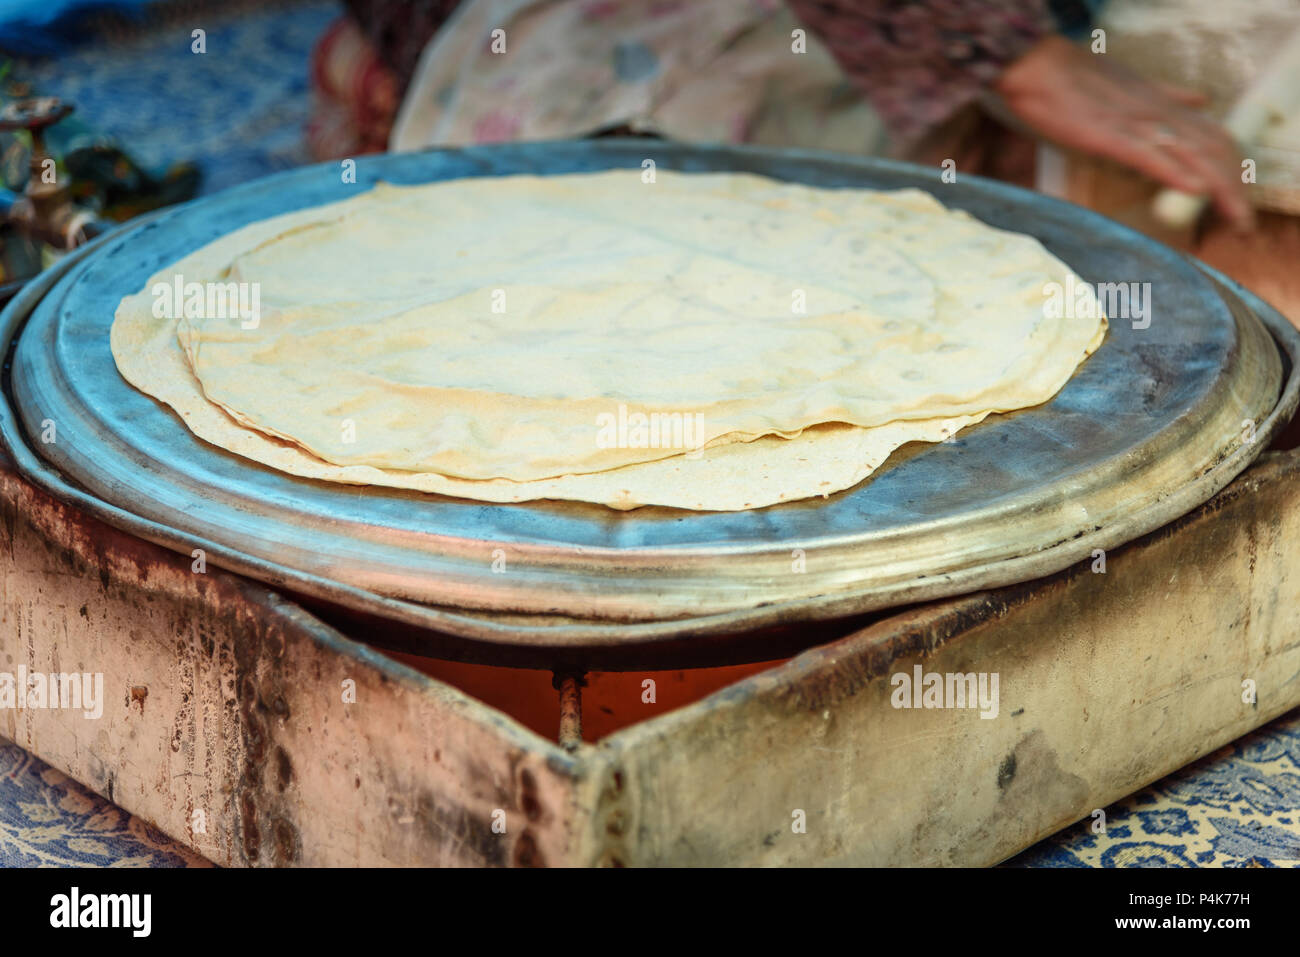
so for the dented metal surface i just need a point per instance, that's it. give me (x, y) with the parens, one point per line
(1149, 428)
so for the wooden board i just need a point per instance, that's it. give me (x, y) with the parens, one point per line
(225, 711)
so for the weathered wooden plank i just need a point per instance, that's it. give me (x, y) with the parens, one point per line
(1106, 683)
(225, 722)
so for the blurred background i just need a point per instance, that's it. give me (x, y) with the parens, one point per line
(177, 98)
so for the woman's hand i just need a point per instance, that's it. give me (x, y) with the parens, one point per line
(1080, 100)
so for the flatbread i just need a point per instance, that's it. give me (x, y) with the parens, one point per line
(928, 326)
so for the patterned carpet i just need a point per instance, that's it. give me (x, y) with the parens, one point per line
(48, 820)
(240, 115)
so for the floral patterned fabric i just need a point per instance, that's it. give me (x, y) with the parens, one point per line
(722, 71)
(48, 820)
(917, 62)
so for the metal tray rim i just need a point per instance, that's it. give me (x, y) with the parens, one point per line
(512, 630)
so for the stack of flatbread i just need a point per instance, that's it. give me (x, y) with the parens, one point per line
(710, 341)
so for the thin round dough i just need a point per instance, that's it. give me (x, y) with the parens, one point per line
(951, 326)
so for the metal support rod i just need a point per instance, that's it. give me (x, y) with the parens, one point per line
(570, 687)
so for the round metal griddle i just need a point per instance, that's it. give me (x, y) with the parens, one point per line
(1156, 422)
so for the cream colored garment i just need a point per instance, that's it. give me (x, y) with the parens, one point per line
(380, 363)
(728, 71)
